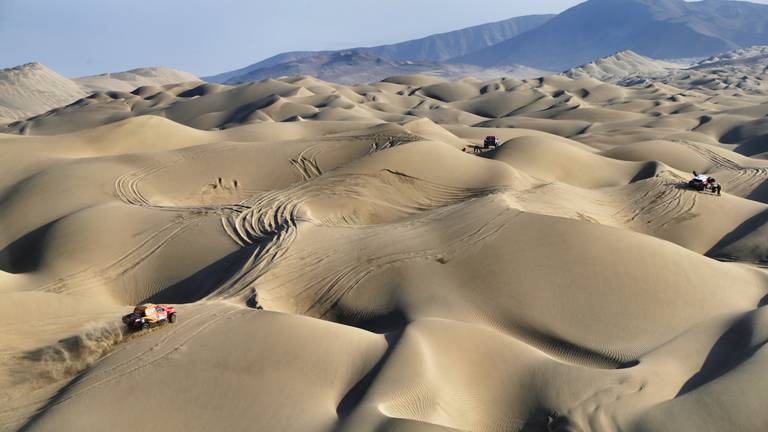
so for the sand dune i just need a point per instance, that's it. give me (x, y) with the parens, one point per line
(346, 258)
(740, 71)
(32, 89)
(129, 80)
(621, 65)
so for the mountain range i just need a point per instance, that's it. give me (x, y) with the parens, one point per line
(662, 29)
(655, 28)
(433, 48)
(354, 67)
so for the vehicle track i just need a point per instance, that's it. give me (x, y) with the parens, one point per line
(306, 164)
(127, 186)
(745, 179)
(330, 289)
(318, 278)
(265, 223)
(200, 312)
(164, 350)
(184, 330)
(127, 190)
(90, 278)
(269, 225)
(308, 167)
(661, 202)
(314, 281)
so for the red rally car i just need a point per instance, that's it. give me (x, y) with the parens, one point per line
(148, 315)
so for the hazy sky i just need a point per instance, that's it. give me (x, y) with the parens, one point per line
(82, 37)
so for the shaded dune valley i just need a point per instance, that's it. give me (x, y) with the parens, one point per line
(351, 258)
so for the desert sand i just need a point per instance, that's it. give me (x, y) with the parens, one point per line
(341, 260)
(134, 78)
(33, 89)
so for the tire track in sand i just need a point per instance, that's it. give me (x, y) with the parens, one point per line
(659, 202)
(127, 190)
(745, 179)
(173, 339)
(270, 224)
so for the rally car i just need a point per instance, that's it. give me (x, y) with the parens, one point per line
(703, 182)
(148, 315)
(699, 182)
(491, 141)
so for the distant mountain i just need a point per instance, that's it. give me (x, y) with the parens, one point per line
(620, 65)
(353, 67)
(266, 63)
(448, 45)
(745, 56)
(744, 70)
(432, 48)
(655, 28)
(129, 80)
(32, 89)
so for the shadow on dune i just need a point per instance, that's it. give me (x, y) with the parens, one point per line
(760, 193)
(26, 253)
(763, 302)
(648, 170)
(751, 146)
(738, 245)
(53, 401)
(732, 349)
(204, 282)
(355, 395)
(388, 322)
(547, 421)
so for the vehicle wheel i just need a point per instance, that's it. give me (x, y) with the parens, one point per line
(144, 325)
(172, 318)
